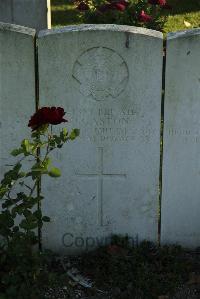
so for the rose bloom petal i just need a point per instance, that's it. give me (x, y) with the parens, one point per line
(143, 17)
(47, 115)
(120, 6)
(157, 2)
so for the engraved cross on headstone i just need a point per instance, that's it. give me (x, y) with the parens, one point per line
(100, 175)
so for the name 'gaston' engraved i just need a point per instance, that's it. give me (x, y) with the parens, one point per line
(100, 73)
(110, 125)
(103, 117)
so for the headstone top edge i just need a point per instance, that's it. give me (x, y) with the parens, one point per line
(183, 33)
(17, 28)
(101, 27)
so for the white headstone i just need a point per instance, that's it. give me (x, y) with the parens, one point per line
(17, 88)
(30, 13)
(6, 11)
(181, 165)
(108, 79)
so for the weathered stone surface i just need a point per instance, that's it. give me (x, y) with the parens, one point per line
(181, 165)
(17, 88)
(31, 13)
(6, 11)
(108, 79)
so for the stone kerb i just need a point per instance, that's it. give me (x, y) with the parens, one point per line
(108, 79)
(31, 13)
(17, 87)
(181, 167)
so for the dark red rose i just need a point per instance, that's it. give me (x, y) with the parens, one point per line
(117, 5)
(83, 6)
(145, 18)
(157, 2)
(47, 115)
(162, 2)
(120, 6)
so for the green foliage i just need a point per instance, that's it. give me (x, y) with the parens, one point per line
(21, 216)
(75, 133)
(23, 273)
(105, 12)
(65, 13)
(54, 172)
(142, 270)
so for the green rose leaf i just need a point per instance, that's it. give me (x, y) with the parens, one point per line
(46, 163)
(17, 210)
(15, 229)
(75, 133)
(34, 134)
(22, 175)
(46, 219)
(59, 145)
(28, 225)
(52, 143)
(39, 168)
(57, 139)
(6, 219)
(17, 152)
(38, 214)
(63, 134)
(3, 191)
(27, 213)
(17, 167)
(7, 204)
(54, 172)
(25, 146)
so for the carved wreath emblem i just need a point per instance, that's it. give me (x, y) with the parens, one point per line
(100, 73)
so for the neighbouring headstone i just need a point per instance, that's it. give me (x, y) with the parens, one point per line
(6, 11)
(30, 13)
(17, 88)
(181, 165)
(108, 79)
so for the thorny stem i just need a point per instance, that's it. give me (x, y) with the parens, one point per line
(38, 186)
(34, 186)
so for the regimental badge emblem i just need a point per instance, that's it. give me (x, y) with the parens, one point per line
(100, 73)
